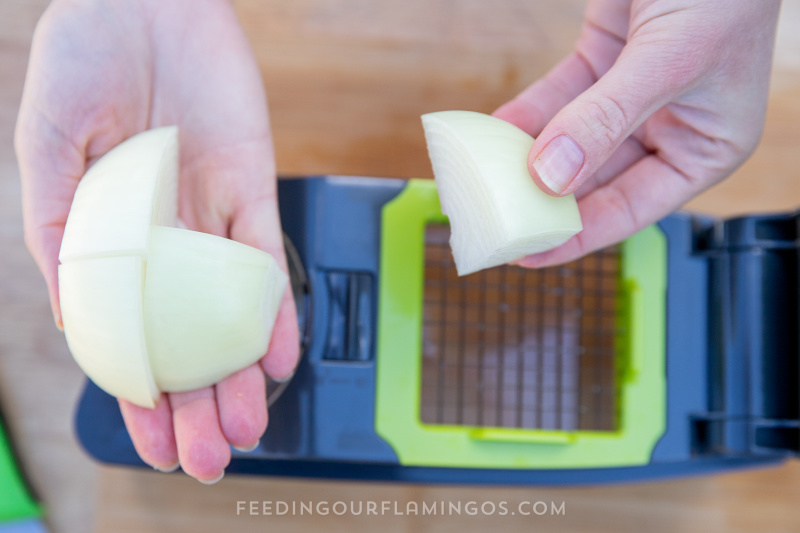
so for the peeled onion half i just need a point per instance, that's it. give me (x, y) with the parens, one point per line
(148, 308)
(497, 213)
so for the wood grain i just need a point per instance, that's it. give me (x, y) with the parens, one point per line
(347, 81)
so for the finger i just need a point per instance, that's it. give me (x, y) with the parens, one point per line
(533, 108)
(629, 152)
(582, 136)
(284, 346)
(242, 404)
(642, 195)
(258, 224)
(44, 244)
(602, 39)
(151, 433)
(203, 450)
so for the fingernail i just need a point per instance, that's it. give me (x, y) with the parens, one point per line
(246, 449)
(533, 261)
(211, 482)
(168, 469)
(559, 163)
(285, 378)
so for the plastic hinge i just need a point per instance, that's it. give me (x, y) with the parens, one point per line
(350, 328)
(754, 376)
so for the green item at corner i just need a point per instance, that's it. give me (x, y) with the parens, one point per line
(16, 503)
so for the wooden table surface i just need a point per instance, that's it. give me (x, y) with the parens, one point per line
(347, 81)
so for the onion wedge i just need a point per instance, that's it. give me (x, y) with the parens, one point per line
(209, 306)
(101, 305)
(497, 213)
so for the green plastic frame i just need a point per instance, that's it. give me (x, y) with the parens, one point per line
(640, 365)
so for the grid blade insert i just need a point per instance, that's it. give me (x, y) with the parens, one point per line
(520, 348)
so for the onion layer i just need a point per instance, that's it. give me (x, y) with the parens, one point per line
(497, 213)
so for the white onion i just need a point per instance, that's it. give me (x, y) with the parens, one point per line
(101, 306)
(129, 189)
(497, 213)
(210, 300)
(149, 308)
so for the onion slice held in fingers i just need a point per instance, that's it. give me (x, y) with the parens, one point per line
(149, 308)
(497, 213)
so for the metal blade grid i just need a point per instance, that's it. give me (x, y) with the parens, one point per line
(519, 348)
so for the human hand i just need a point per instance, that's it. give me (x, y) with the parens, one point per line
(99, 73)
(660, 100)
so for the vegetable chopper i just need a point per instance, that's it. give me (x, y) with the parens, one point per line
(673, 353)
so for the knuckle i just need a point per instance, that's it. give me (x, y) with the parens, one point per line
(606, 119)
(622, 203)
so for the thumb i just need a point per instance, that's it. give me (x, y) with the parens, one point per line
(587, 131)
(50, 167)
(258, 224)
